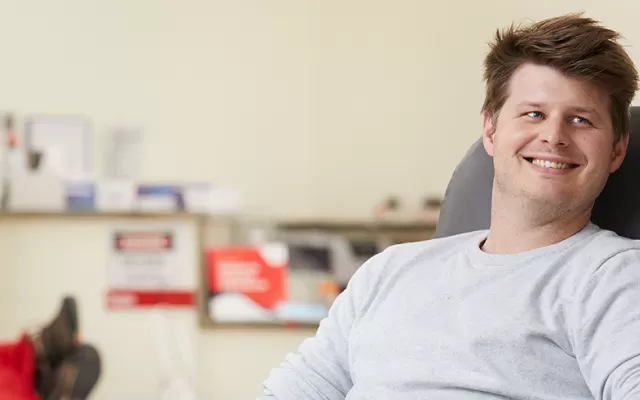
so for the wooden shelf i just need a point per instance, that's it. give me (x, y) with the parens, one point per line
(324, 224)
(209, 324)
(395, 230)
(92, 215)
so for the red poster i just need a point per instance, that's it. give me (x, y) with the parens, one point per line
(247, 283)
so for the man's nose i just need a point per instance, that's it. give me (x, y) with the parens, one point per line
(555, 133)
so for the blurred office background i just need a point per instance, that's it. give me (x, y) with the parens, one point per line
(311, 110)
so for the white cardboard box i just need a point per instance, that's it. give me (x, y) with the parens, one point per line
(37, 192)
(112, 195)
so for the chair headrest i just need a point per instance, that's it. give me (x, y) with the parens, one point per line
(467, 202)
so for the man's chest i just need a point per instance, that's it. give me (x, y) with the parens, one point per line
(492, 331)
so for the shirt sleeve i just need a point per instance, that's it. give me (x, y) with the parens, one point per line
(320, 367)
(607, 334)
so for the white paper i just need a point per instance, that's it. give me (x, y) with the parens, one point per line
(64, 143)
(123, 158)
(144, 262)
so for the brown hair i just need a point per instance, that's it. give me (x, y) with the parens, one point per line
(575, 45)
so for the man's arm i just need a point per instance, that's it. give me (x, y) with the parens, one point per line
(320, 368)
(607, 329)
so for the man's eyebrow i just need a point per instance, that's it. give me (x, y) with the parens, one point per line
(584, 109)
(531, 104)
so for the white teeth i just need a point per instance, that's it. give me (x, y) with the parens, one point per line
(550, 164)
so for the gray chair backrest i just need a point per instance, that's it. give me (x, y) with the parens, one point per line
(467, 202)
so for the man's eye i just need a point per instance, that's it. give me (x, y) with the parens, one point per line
(535, 114)
(580, 120)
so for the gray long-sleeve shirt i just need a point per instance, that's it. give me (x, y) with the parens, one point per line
(441, 319)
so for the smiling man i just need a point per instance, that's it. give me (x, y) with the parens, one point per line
(544, 304)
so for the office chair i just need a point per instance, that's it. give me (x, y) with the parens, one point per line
(467, 202)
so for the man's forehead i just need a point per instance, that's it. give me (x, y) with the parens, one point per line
(544, 86)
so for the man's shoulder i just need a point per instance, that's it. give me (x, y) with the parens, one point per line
(607, 243)
(605, 249)
(605, 267)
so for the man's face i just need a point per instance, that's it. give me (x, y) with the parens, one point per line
(552, 142)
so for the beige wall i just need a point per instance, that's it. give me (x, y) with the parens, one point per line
(310, 107)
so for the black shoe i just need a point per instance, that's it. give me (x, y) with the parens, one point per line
(77, 375)
(60, 337)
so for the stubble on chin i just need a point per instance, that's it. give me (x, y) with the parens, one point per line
(534, 208)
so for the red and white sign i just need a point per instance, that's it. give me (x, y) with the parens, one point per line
(142, 242)
(151, 264)
(247, 283)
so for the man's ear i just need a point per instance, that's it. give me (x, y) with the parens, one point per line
(619, 152)
(488, 132)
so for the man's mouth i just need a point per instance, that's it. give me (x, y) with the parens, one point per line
(550, 164)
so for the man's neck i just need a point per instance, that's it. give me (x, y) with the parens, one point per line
(514, 230)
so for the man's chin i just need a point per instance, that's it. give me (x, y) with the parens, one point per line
(551, 198)
(540, 193)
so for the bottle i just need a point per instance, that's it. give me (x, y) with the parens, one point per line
(9, 144)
